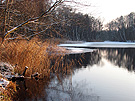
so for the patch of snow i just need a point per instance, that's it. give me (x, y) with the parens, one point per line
(3, 83)
(5, 72)
(5, 69)
(106, 44)
(79, 50)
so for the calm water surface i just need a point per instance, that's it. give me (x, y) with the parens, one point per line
(105, 75)
(108, 81)
(98, 75)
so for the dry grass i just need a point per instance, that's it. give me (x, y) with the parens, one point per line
(42, 57)
(8, 93)
(34, 53)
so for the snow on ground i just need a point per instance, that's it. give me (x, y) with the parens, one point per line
(79, 50)
(3, 84)
(5, 72)
(106, 44)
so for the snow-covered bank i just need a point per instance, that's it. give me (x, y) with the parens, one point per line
(106, 44)
(3, 84)
(79, 50)
(6, 71)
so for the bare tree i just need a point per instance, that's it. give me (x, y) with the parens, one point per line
(37, 19)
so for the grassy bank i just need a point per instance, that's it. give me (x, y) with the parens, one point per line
(35, 54)
(40, 56)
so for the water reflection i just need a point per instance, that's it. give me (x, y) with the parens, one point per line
(31, 89)
(70, 92)
(113, 78)
(108, 81)
(84, 59)
(124, 58)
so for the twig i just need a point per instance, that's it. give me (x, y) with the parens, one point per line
(28, 37)
(33, 19)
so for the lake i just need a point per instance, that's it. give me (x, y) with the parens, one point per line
(98, 74)
(112, 78)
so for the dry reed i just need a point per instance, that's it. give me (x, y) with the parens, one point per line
(35, 54)
(42, 57)
(9, 92)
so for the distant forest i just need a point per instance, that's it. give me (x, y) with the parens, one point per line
(120, 29)
(63, 22)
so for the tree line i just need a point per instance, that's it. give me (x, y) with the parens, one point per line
(120, 29)
(77, 26)
(62, 22)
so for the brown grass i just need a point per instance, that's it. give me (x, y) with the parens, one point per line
(42, 57)
(8, 93)
(35, 54)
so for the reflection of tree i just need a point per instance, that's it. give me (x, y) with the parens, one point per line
(70, 62)
(63, 66)
(84, 59)
(64, 89)
(122, 57)
(68, 92)
(38, 90)
(31, 90)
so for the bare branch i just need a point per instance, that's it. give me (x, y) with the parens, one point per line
(78, 3)
(33, 19)
(21, 37)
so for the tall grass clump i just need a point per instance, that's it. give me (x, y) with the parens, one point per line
(35, 54)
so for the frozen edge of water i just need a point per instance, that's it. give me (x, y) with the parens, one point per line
(106, 44)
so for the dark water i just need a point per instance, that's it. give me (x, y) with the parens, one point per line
(101, 75)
